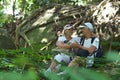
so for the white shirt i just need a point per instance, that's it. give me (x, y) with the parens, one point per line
(87, 43)
(74, 39)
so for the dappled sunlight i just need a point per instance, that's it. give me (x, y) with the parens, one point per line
(64, 10)
(44, 40)
(9, 8)
(42, 29)
(45, 17)
(108, 12)
(35, 34)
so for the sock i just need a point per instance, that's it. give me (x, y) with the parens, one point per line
(48, 70)
(62, 73)
(58, 66)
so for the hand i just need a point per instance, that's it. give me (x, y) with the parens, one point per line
(75, 45)
(90, 51)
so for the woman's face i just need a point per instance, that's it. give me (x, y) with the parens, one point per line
(68, 32)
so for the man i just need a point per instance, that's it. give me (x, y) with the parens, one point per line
(87, 48)
(63, 43)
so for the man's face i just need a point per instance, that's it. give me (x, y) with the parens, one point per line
(85, 30)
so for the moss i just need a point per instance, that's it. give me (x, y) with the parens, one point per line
(6, 43)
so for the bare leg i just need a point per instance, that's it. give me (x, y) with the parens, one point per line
(74, 62)
(53, 66)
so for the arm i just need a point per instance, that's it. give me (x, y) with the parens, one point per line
(91, 49)
(63, 45)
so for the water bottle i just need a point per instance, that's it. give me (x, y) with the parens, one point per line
(89, 60)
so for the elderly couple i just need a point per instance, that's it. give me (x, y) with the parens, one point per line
(73, 43)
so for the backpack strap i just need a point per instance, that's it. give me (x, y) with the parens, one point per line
(82, 40)
(93, 38)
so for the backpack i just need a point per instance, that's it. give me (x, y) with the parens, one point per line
(99, 53)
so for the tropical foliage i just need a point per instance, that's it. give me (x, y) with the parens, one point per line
(25, 22)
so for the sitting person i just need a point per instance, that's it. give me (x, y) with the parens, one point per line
(86, 46)
(63, 42)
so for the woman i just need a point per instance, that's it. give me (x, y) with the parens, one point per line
(63, 42)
